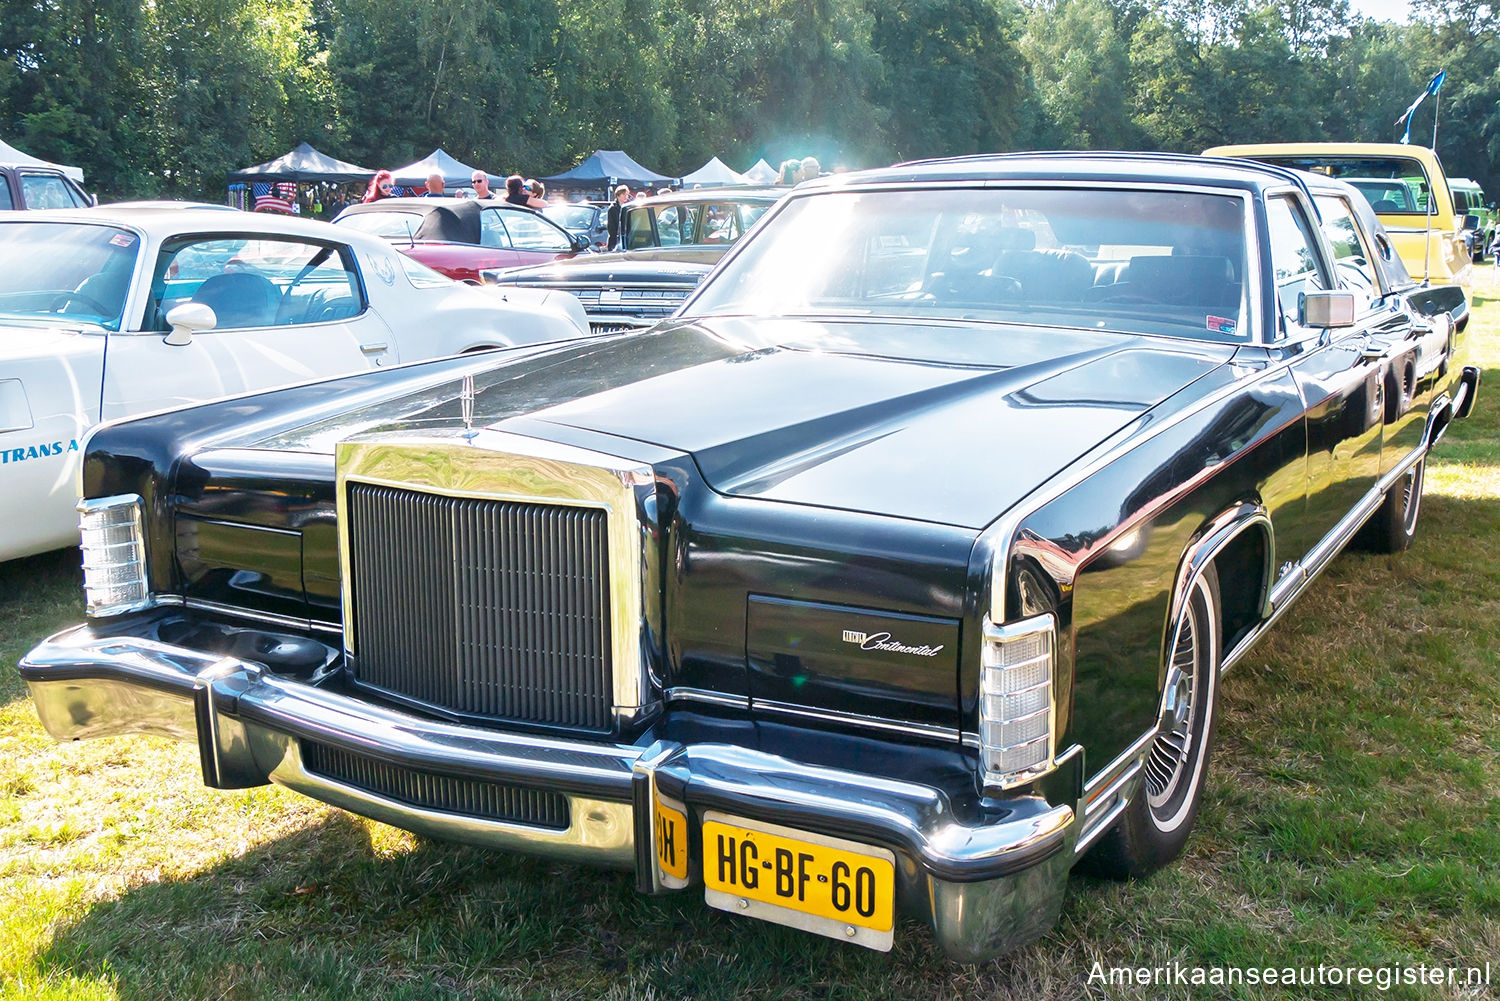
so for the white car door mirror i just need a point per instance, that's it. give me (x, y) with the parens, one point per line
(188, 319)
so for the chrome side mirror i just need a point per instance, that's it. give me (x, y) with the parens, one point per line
(188, 319)
(1325, 309)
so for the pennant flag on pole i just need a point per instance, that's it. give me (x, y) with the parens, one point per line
(1433, 86)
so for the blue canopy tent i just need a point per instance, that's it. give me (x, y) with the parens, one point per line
(712, 174)
(455, 174)
(602, 167)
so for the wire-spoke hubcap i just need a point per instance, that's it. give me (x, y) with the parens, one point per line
(1171, 753)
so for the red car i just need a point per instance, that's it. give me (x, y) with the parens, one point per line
(461, 237)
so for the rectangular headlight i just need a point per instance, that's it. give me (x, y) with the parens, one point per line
(1017, 709)
(114, 555)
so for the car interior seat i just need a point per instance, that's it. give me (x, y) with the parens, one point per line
(240, 299)
(1385, 205)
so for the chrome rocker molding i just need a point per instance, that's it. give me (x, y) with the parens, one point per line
(985, 886)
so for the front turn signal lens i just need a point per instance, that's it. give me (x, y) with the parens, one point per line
(114, 555)
(1017, 707)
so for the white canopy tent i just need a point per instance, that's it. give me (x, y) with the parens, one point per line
(761, 173)
(712, 174)
(9, 154)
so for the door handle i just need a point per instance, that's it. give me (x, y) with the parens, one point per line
(374, 349)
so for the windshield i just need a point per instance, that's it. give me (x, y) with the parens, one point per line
(1160, 262)
(571, 216)
(1393, 185)
(391, 225)
(65, 273)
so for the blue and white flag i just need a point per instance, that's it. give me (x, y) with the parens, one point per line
(1433, 86)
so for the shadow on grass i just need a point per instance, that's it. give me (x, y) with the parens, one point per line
(326, 913)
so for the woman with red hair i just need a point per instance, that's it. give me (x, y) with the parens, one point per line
(381, 186)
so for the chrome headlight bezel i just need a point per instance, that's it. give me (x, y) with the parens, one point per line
(112, 540)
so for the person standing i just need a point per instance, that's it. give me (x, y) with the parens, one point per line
(481, 185)
(615, 221)
(435, 185)
(382, 185)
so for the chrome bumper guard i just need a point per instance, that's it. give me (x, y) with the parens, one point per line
(985, 887)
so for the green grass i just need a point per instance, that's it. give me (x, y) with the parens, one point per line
(1351, 819)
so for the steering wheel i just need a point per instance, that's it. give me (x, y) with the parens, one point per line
(62, 299)
(980, 288)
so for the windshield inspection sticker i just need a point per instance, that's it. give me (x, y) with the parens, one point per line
(1220, 324)
(9, 456)
(122, 240)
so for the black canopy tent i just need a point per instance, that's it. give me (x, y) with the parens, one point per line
(603, 166)
(303, 165)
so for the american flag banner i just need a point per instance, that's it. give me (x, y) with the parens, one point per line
(274, 198)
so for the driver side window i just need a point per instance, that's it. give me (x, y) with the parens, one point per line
(252, 282)
(1294, 259)
(1356, 271)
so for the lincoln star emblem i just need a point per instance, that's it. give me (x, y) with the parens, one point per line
(466, 398)
(883, 642)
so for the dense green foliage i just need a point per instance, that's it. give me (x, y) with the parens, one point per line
(162, 97)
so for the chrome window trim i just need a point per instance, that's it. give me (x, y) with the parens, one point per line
(498, 465)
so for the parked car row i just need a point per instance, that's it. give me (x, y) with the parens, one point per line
(896, 572)
(671, 242)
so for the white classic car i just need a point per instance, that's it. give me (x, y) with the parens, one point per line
(106, 313)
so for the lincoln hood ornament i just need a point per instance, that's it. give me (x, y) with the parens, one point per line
(466, 399)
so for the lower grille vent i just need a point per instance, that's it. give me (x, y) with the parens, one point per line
(443, 793)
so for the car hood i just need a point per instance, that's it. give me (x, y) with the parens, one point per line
(834, 414)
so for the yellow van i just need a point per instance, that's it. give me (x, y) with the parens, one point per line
(1406, 187)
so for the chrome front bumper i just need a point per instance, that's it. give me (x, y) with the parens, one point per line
(985, 887)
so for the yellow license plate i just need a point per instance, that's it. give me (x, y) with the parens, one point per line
(834, 887)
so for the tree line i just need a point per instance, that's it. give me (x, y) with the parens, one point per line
(160, 98)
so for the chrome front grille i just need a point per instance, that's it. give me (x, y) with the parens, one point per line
(485, 607)
(650, 302)
(443, 793)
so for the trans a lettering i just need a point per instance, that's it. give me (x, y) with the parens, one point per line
(42, 451)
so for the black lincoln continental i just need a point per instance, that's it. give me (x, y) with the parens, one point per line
(895, 574)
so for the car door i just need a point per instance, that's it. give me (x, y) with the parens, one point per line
(1339, 373)
(495, 237)
(1413, 349)
(286, 310)
(532, 237)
